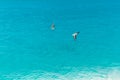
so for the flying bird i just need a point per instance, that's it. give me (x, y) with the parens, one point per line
(75, 35)
(53, 27)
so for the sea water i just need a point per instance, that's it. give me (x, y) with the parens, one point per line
(30, 50)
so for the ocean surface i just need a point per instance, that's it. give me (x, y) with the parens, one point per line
(30, 50)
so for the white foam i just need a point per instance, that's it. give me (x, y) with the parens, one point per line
(88, 74)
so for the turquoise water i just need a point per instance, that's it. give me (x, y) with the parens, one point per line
(29, 50)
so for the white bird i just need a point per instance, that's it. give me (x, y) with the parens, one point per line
(75, 35)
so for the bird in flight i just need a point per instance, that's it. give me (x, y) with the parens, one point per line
(53, 27)
(75, 35)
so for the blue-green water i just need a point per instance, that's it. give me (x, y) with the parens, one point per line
(29, 50)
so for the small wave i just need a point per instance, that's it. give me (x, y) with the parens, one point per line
(75, 74)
